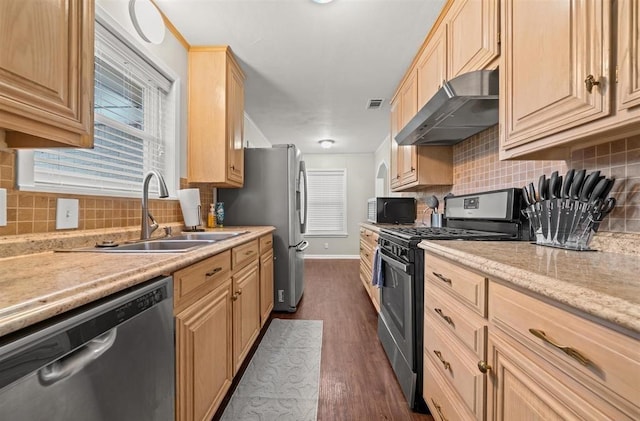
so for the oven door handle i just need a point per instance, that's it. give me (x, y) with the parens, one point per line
(408, 269)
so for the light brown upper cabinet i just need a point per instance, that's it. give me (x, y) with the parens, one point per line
(628, 53)
(472, 36)
(432, 66)
(216, 118)
(46, 73)
(395, 163)
(559, 80)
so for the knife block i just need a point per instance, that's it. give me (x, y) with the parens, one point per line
(564, 223)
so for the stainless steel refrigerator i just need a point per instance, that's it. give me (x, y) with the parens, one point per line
(275, 193)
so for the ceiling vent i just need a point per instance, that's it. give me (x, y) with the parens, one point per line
(374, 104)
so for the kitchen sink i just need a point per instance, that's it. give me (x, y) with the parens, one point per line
(154, 246)
(206, 236)
(175, 244)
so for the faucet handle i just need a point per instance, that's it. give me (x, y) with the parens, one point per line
(167, 231)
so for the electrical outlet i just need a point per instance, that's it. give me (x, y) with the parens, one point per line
(281, 295)
(326, 246)
(3, 207)
(67, 213)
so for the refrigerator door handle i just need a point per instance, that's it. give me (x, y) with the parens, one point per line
(303, 199)
(302, 246)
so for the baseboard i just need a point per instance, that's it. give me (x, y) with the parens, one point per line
(332, 256)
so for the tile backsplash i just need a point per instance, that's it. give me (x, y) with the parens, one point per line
(477, 167)
(33, 212)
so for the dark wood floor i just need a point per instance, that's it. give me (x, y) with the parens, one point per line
(356, 380)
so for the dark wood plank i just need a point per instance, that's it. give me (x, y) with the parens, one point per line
(356, 380)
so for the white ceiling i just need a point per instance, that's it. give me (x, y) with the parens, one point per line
(312, 68)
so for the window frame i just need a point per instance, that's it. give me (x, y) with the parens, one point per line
(318, 233)
(25, 157)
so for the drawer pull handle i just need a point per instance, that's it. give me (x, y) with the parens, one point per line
(442, 277)
(248, 253)
(575, 354)
(268, 243)
(483, 367)
(213, 272)
(445, 363)
(439, 409)
(446, 318)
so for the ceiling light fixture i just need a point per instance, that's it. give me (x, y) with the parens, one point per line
(326, 143)
(322, 1)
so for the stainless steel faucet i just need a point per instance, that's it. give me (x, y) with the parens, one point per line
(146, 228)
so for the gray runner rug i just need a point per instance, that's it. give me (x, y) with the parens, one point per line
(282, 379)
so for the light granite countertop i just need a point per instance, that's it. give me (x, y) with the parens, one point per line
(600, 284)
(35, 287)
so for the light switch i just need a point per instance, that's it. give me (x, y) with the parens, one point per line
(3, 207)
(67, 213)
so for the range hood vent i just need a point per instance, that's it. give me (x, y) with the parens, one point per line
(464, 106)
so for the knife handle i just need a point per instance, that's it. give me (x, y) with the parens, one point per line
(542, 192)
(553, 185)
(525, 196)
(566, 186)
(598, 190)
(532, 193)
(588, 186)
(576, 186)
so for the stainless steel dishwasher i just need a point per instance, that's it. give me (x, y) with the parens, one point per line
(110, 360)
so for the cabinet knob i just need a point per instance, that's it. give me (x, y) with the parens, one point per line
(483, 367)
(590, 82)
(235, 296)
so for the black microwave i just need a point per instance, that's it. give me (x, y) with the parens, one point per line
(391, 210)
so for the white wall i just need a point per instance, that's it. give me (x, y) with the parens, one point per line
(172, 54)
(253, 136)
(383, 156)
(360, 187)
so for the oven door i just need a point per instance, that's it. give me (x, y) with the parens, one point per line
(396, 322)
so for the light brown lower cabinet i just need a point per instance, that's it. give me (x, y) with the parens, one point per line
(203, 354)
(217, 313)
(266, 278)
(551, 364)
(529, 359)
(368, 244)
(246, 311)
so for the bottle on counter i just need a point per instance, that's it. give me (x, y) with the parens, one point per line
(220, 214)
(211, 217)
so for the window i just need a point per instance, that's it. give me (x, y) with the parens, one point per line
(327, 203)
(134, 128)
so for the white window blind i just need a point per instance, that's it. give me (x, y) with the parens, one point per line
(134, 116)
(327, 202)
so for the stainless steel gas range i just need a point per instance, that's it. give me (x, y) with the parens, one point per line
(487, 216)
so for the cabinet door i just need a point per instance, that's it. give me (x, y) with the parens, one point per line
(524, 389)
(203, 354)
(394, 176)
(46, 72)
(409, 169)
(548, 53)
(472, 27)
(236, 127)
(246, 312)
(408, 99)
(628, 54)
(432, 66)
(266, 286)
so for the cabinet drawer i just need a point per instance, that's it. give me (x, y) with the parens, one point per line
(458, 367)
(611, 359)
(468, 286)
(444, 403)
(210, 272)
(242, 255)
(266, 243)
(465, 325)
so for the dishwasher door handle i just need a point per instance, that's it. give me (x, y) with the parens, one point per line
(77, 360)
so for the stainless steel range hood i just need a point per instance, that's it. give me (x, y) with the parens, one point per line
(464, 106)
